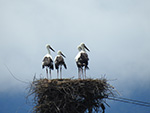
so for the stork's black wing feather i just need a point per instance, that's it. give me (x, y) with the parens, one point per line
(47, 61)
(83, 60)
(59, 61)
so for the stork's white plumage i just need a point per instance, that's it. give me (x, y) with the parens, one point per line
(59, 61)
(82, 60)
(79, 53)
(48, 61)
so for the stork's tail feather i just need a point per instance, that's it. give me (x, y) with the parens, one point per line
(87, 67)
(52, 67)
(65, 66)
(56, 66)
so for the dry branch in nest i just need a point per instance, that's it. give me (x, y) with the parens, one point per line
(70, 95)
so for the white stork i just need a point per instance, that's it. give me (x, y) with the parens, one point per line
(79, 65)
(82, 60)
(59, 61)
(48, 61)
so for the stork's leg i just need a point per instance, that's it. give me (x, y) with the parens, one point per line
(85, 72)
(47, 72)
(78, 73)
(57, 73)
(50, 73)
(60, 72)
(79, 77)
(82, 73)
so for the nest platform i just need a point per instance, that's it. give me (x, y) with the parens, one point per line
(70, 95)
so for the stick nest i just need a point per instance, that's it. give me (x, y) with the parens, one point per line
(70, 95)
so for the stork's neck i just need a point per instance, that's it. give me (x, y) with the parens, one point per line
(48, 51)
(79, 49)
(83, 49)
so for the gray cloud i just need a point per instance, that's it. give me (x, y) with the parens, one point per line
(117, 34)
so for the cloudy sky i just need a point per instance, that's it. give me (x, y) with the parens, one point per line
(117, 33)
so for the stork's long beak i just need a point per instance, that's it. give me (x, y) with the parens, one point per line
(86, 48)
(52, 49)
(63, 55)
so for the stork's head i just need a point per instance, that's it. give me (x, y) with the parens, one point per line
(83, 46)
(49, 47)
(79, 48)
(60, 53)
